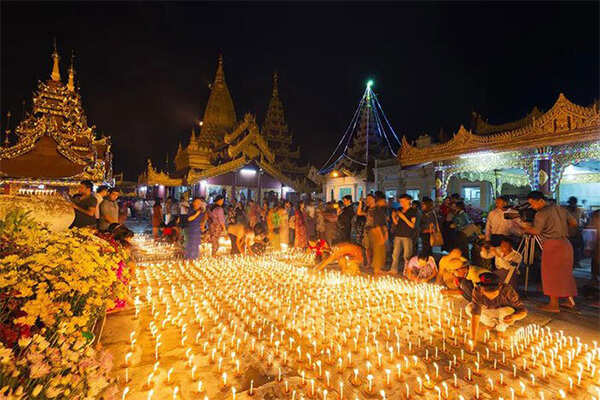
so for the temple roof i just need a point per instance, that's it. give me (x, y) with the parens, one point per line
(54, 140)
(275, 128)
(564, 123)
(219, 115)
(481, 126)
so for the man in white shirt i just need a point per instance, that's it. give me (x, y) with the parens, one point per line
(497, 227)
(507, 261)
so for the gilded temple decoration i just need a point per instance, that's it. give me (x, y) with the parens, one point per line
(564, 123)
(219, 115)
(565, 135)
(225, 146)
(54, 142)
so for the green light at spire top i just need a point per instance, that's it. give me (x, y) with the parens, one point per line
(369, 84)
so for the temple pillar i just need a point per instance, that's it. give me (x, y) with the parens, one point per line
(259, 188)
(440, 190)
(233, 185)
(542, 170)
(497, 183)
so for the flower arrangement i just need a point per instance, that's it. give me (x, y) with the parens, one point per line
(53, 288)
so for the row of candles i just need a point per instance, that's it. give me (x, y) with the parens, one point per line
(337, 337)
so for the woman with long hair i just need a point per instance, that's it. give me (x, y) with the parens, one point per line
(301, 239)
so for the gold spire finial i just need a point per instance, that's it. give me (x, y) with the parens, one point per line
(275, 85)
(71, 83)
(55, 70)
(6, 142)
(220, 76)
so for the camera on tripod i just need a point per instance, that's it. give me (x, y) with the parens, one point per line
(522, 211)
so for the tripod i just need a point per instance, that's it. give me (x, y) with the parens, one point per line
(527, 250)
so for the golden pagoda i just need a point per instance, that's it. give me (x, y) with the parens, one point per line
(233, 157)
(219, 115)
(55, 146)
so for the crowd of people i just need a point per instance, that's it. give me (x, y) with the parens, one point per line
(480, 262)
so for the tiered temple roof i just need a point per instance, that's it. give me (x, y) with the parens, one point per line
(275, 130)
(565, 123)
(224, 145)
(54, 144)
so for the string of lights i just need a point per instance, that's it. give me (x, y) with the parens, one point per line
(369, 100)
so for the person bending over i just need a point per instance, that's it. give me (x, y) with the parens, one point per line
(466, 276)
(349, 257)
(237, 234)
(319, 247)
(421, 268)
(495, 304)
(446, 273)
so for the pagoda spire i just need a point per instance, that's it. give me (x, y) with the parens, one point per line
(275, 85)
(219, 115)
(55, 70)
(220, 75)
(71, 83)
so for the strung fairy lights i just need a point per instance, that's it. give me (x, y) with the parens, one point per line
(369, 105)
(238, 327)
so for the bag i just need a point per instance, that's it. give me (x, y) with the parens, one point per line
(435, 238)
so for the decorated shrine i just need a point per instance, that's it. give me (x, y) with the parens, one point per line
(542, 151)
(368, 138)
(53, 146)
(235, 158)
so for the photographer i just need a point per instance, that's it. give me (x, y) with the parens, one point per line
(551, 225)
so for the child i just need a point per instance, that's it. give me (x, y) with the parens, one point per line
(421, 268)
(318, 246)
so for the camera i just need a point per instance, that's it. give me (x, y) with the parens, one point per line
(522, 211)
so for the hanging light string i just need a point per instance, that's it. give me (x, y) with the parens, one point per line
(380, 128)
(386, 120)
(327, 167)
(353, 160)
(382, 132)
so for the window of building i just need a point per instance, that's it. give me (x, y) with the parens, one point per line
(390, 193)
(414, 193)
(345, 192)
(472, 195)
(433, 194)
(361, 192)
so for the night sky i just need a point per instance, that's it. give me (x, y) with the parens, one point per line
(144, 68)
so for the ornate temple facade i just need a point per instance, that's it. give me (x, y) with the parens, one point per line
(234, 158)
(557, 152)
(54, 146)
